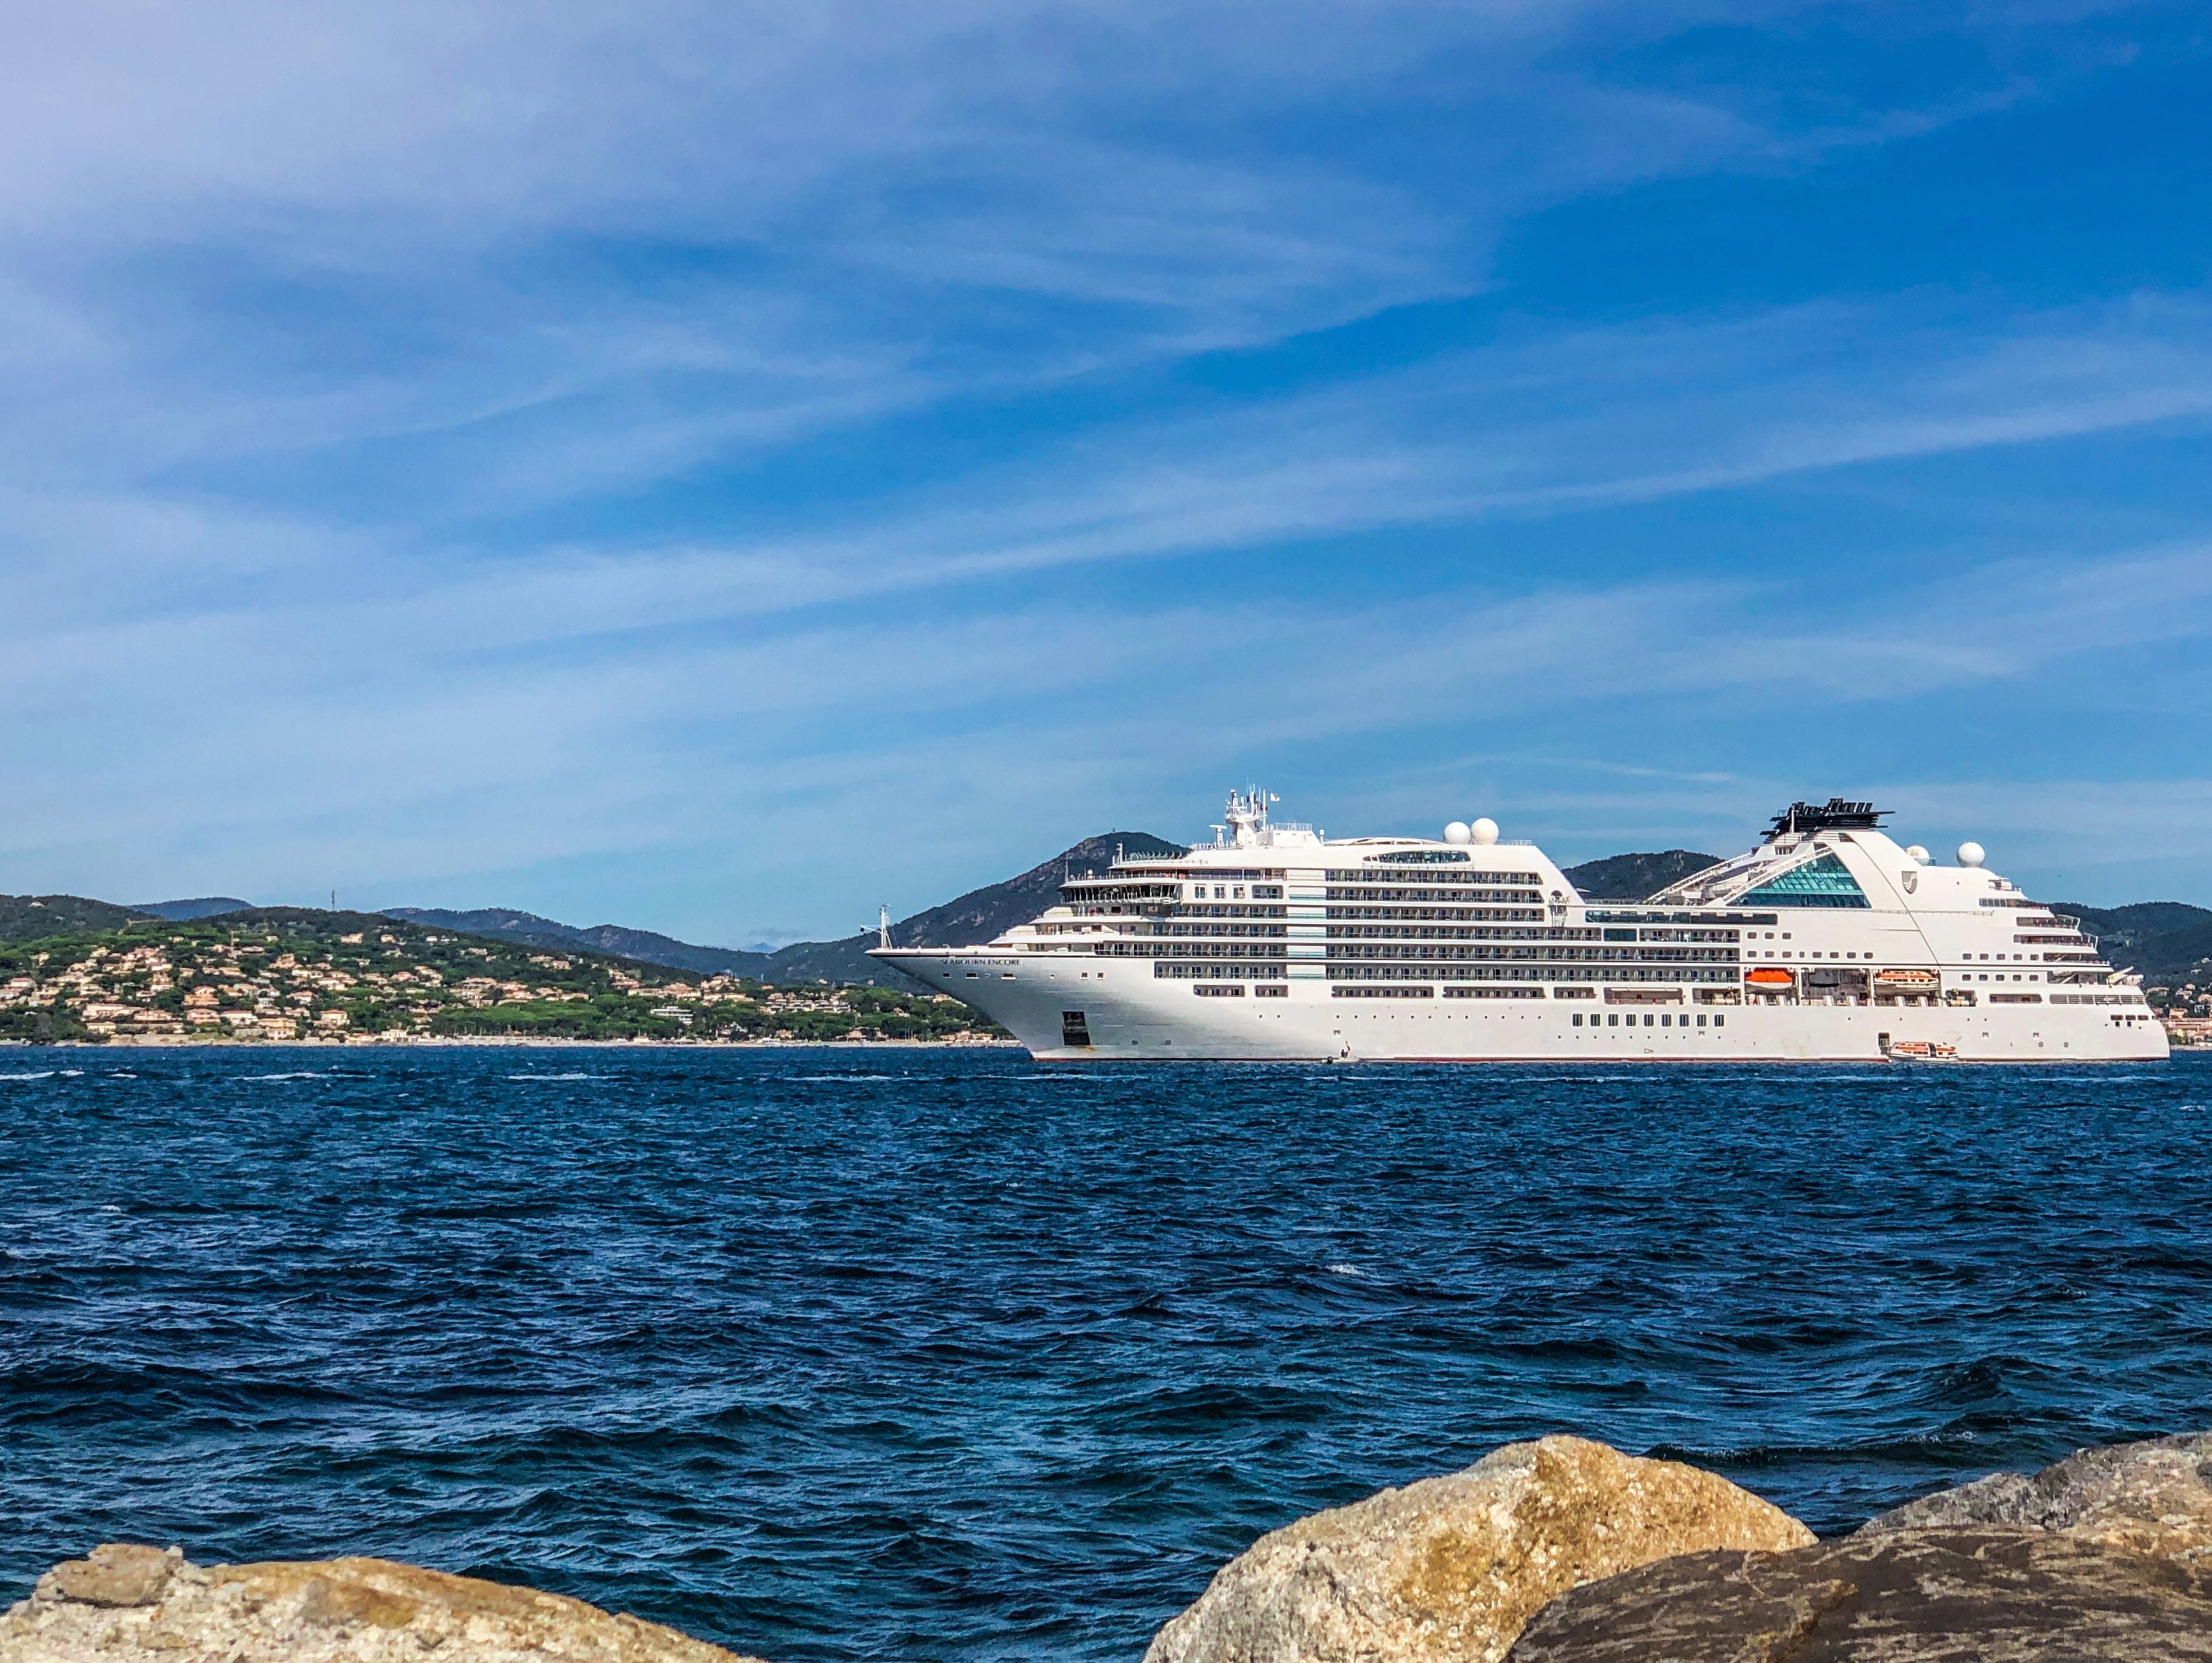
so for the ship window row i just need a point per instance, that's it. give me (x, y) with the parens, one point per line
(1074, 892)
(1664, 1019)
(1452, 883)
(1610, 916)
(1817, 952)
(1181, 912)
(1404, 908)
(1472, 914)
(1195, 874)
(1199, 875)
(1450, 932)
(1176, 971)
(1363, 875)
(1219, 929)
(1189, 950)
(1554, 972)
(1227, 892)
(1520, 897)
(1566, 955)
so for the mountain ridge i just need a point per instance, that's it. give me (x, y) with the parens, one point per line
(1635, 877)
(186, 911)
(966, 920)
(531, 929)
(33, 917)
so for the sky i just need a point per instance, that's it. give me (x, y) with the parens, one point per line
(717, 468)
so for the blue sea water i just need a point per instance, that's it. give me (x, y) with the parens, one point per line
(946, 1356)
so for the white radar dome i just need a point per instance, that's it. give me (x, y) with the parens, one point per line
(1484, 830)
(1457, 833)
(1971, 855)
(1918, 856)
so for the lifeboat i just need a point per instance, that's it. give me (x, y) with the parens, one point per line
(1768, 975)
(1908, 977)
(1920, 1051)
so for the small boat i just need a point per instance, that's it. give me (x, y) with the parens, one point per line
(1767, 975)
(1911, 978)
(1919, 1051)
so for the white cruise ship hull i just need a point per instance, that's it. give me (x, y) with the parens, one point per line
(1129, 1018)
(1826, 943)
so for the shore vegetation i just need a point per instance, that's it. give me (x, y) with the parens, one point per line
(278, 974)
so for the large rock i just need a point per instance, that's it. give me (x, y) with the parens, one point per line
(125, 1603)
(1932, 1596)
(2153, 1497)
(1447, 1570)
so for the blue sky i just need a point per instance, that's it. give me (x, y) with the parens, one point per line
(719, 467)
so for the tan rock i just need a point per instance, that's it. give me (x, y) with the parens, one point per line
(126, 1604)
(1448, 1570)
(113, 1573)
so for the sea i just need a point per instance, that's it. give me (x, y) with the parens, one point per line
(927, 1355)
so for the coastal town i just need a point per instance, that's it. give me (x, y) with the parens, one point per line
(294, 975)
(2186, 1011)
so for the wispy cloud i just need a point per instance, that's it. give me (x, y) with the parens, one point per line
(416, 762)
(1561, 424)
(446, 442)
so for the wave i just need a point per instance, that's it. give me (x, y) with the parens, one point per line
(922, 1374)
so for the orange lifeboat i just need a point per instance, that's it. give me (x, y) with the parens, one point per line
(1768, 975)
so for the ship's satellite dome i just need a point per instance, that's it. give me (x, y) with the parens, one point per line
(1971, 855)
(1457, 832)
(1484, 830)
(1918, 856)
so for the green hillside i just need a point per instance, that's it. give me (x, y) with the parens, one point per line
(2169, 941)
(277, 974)
(31, 917)
(1633, 877)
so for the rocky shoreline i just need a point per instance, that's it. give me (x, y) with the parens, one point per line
(1557, 1550)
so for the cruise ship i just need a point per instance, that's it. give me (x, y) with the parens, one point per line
(1828, 941)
